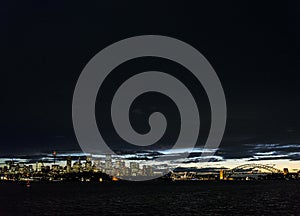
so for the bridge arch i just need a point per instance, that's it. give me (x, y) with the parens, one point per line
(253, 166)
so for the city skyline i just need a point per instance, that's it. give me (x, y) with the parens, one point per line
(266, 158)
(114, 169)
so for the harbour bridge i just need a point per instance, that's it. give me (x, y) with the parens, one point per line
(248, 171)
(246, 168)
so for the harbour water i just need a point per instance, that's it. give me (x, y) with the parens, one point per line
(151, 198)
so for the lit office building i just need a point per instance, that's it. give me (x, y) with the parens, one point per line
(88, 163)
(39, 166)
(69, 164)
(134, 168)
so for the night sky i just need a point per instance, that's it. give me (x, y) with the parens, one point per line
(253, 47)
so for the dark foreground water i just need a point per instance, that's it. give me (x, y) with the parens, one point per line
(151, 198)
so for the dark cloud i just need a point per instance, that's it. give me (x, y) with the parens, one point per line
(252, 47)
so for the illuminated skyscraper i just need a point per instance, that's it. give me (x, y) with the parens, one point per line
(108, 162)
(88, 163)
(118, 164)
(77, 166)
(39, 166)
(134, 168)
(69, 164)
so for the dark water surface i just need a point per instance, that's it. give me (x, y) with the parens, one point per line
(151, 198)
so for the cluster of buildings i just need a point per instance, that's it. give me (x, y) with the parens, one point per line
(119, 168)
(83, 170)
